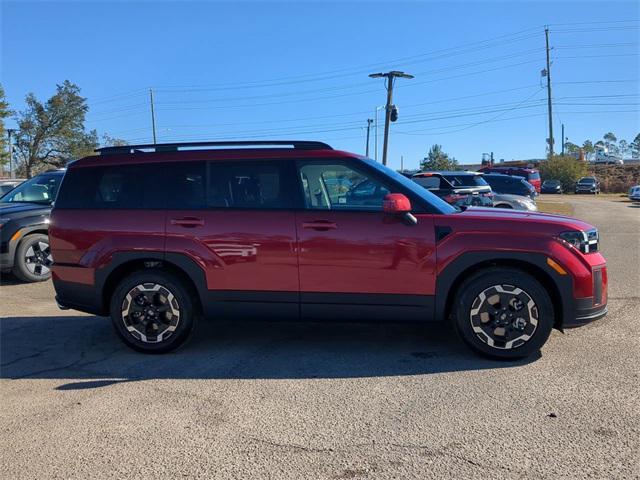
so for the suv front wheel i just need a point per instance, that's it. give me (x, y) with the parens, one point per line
(152, 311)
(503, 313)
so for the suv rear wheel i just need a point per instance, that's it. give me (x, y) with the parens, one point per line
(152, 311)
(503, 313)
(33, 258)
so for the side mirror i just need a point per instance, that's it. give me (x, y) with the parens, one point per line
(396, 203)
(399, 205)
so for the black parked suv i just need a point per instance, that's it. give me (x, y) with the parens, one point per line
(24, 222)
(457, 188)
(510, 185)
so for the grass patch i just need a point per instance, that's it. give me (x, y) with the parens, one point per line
(559, 208)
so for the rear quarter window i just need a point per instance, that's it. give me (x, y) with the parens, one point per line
(112, 187)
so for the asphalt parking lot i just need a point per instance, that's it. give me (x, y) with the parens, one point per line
(324, 401)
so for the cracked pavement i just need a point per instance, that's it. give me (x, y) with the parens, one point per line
(257, 400)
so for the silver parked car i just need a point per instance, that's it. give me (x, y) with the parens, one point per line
(515, 202)
(634, 193)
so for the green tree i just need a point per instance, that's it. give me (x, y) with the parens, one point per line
(437, 159)
(109, 141)
(610, 141)
(571, 147)
(53, 133)
(623, 147)
(587, 146)
(635, 147)
(4, 143)
(566, 169)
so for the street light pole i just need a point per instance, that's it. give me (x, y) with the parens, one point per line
(376, 131)
(369, 122)
(9, 134)
(390, 79)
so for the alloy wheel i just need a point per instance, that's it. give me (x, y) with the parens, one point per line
(504, 316)
(150, 312)
(38, 259)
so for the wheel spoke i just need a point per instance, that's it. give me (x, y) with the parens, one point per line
(150, 312)
(502, 316)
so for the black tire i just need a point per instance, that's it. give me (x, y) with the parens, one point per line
(33, 260)
(469, 299)
(181, 306)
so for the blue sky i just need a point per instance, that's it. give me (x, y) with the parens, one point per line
(299, 70)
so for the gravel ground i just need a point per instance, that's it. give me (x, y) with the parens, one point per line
(310, 401)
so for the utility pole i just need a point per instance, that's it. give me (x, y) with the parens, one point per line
(153, 116)
(369, 122)
(546, 35)
(402, 163)
(389, 81)
(563, 139)
(9, 134)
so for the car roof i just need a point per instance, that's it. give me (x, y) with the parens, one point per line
(523, 169)
(444, 172)
(184, 152)
(502, 175)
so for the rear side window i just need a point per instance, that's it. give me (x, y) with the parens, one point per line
(248, 185)
(466, 180)
(431, 182)
(185, 185)
(112, 187)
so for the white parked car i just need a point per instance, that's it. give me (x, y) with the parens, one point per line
(515, 202)
(634, 193)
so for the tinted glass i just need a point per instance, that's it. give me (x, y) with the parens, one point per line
(496, 182)
(41, 189)
(465, 180)
(112, 187)
(432, 183)
(534, 176)
(248, 185)
(436, 203)
(587, 181)
(186, 185)
(335, 186)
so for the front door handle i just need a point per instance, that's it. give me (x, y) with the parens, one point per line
(320, 225)
(188, 222)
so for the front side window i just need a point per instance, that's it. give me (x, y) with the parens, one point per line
(337, 186)
(41, 189)
(248, 185)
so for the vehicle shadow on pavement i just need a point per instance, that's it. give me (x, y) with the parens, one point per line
(86, 350)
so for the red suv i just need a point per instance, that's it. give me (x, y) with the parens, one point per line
(162, 236)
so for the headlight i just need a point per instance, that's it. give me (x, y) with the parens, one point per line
(531, 206)
(586, 242)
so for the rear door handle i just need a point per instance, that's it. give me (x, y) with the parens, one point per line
(320, 225)
(188, 222)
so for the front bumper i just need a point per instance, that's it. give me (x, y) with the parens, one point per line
(585, 313)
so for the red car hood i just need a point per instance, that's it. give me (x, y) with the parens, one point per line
(497, 220)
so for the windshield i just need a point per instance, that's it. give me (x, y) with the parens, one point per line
(551, 183)
(466, 180)
(587, 181)
(41, 189)
(436, 202)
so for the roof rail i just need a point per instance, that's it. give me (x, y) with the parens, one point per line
(174, 147)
